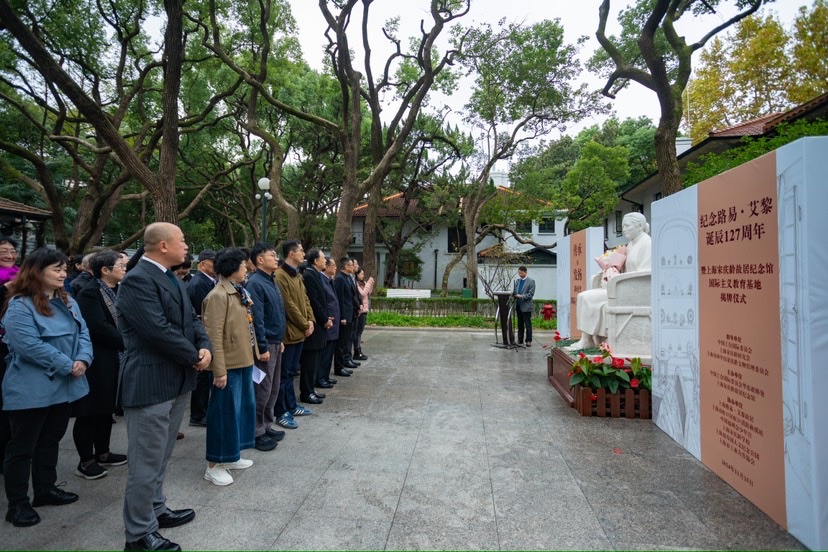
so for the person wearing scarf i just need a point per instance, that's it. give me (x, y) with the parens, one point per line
(93, 413)
(231, 412)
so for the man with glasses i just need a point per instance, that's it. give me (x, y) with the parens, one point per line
(299, 318)
(269, 324)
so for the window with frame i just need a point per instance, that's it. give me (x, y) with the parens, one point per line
(456, 239)
(619, 217)
(523, 227)
(546, 225)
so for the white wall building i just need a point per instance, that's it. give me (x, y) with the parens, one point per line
(437, 249)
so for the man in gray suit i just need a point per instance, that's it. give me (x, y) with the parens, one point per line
(523, 292)
(165, 345)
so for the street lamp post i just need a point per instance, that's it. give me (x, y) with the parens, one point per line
(264, 185)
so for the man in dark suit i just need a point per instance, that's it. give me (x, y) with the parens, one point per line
(344, 288)
(202, 283)
(165, 345)
(314, 343)
(523, 291)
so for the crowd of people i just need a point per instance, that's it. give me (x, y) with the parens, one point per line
(142, 338)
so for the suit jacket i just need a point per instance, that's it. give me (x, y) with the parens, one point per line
(162, 336)
(107, 342)
(198, 288)
(319, 305)
(333, 307)
(344, 287)
(524, 304)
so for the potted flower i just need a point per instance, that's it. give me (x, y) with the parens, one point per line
(607, 385)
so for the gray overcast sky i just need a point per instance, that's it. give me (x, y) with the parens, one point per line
(579, 17)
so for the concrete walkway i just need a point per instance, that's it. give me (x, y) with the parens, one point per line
(439, 441)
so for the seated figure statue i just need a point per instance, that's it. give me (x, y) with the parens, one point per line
(591, 304)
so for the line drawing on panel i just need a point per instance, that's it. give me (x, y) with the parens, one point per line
(798, 424)
(676, 383)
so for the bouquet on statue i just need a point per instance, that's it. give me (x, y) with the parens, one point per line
(612, 261)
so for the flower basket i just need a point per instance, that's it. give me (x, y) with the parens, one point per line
(628, 403)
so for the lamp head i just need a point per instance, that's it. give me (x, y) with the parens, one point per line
(263, 183)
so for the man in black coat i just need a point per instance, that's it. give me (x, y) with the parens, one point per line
(202, 283)
(344, 288)
(164, 346)
(315, 343)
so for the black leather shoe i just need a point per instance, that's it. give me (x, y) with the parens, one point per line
(343, 372)
(351, 365)
(312, 399)
(278, 435)
(55, 497)
(319, 395)
(324, 385)
(331, 381)
(22, 515)
(354, 362)
(153, 541)
(265, 443)
(174, 518)
(360, 356)
(198, 423)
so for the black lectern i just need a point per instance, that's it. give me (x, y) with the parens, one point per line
(504, 315)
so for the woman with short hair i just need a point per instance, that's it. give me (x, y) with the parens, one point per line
(231, 412)
(49, 352)
(93, 422)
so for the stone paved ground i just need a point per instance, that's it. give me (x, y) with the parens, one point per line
(439, 441)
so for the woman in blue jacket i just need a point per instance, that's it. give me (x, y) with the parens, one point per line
(49, 352)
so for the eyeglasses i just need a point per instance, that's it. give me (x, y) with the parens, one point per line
(121, 265)
(12, 252)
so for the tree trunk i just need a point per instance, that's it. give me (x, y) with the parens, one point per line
(343, 234)
(471, 253)
(369, 234)
(665, 143)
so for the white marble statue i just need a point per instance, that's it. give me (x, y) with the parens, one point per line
(591, 304)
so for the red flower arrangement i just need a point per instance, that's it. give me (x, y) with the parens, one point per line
(605, 371)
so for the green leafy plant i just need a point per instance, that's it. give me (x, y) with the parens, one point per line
(605, 371)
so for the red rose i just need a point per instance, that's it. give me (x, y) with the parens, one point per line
(582, 355)
(618, 363)
(634, 383)
(594, 397)
(557, 337)
(598, 359)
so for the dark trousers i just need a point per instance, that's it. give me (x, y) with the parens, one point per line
(91, 435)
(359, 327)
(343, 346)
(200, 397)
(33, 449)
(323, 369)
(267, 390)
(524, 325)
(5, 434)
(286, 401)
(307, 377)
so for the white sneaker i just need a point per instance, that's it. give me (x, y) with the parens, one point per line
(218, 475)
(240, 464)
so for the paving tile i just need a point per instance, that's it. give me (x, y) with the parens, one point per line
(371, 496)
(439, 441)
(313, 531)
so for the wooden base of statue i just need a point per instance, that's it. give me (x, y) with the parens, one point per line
(558, 366)
(628, 403)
